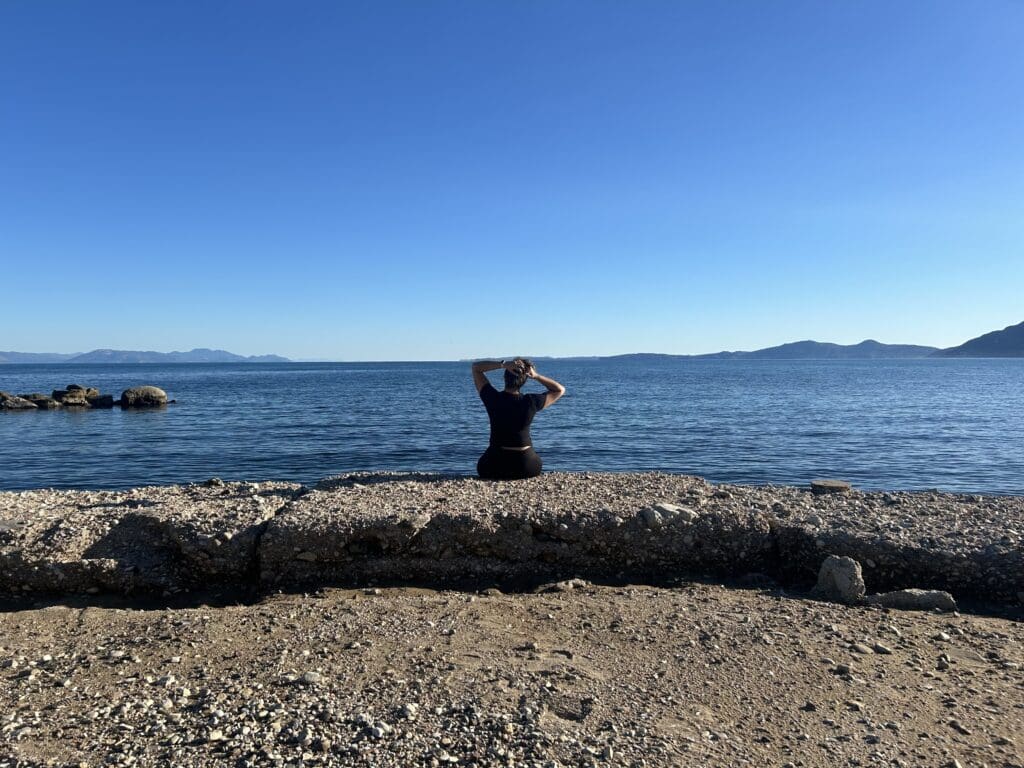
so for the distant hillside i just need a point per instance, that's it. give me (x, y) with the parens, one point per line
(121, 356)
(817, 350)
(41, 358)
(1008, 342)
(808, 350)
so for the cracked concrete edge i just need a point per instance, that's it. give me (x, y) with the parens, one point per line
(293, 547)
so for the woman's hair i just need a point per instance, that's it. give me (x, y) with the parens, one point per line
(516, 376)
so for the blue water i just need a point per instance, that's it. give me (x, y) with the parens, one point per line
(949, 424)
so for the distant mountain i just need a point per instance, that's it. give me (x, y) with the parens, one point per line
(121, 356)
(808, 350)
(42, 358)
(869, 349)
(1008, 342)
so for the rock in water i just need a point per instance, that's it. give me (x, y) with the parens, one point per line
(830, 486)
(43, 402)
(101, 401)
(143, 397)
(15, 403)
(71, 398)
(915, 600)
(840, 580)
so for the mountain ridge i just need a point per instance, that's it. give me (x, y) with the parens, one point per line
(128, 357)
(869, 349)
(1008, 342)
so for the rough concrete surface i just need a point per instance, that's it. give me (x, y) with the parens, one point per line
(427, 529)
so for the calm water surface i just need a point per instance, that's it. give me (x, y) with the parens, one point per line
(950, 424)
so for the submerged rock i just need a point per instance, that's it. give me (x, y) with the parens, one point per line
(14, 403)
(840, 580)
(143, 397)
(71, 398)
(43, 402)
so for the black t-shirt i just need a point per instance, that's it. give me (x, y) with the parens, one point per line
(510, 416)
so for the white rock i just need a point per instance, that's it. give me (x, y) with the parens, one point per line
(840, 580)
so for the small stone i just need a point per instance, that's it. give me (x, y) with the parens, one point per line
(215, 735)
(674, 511)
(883, 649)
(821, 487)
(410, 711)
(959, 727)
(915, 600)
(651, 517)
(311, 678)
(861, 648)
(306, 557)
(840, 580)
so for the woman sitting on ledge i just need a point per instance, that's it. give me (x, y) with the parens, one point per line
(510, 456)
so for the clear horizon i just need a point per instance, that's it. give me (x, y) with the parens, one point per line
(451, 181)
(460, 359)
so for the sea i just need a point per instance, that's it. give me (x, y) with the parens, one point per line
(948, 424)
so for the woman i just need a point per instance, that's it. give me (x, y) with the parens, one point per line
(510, 456)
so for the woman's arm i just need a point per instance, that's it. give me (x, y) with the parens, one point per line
(480, 367)
(555, 390)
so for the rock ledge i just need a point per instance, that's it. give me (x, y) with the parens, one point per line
(450, 531)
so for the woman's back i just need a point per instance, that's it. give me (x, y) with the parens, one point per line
(510, 416)
(510, 454)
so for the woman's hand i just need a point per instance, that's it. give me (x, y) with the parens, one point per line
(531, 372)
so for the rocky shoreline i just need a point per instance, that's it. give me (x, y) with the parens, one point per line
(441, 531)
(76, 397)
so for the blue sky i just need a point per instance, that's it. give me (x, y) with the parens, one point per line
(441, 180)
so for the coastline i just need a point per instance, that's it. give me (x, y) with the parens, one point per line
(440, 531)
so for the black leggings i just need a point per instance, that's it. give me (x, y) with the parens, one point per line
(499, 464)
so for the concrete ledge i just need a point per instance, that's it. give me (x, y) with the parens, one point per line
(146, 540)
(448, 531)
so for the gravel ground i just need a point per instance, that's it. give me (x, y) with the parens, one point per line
(578, 675)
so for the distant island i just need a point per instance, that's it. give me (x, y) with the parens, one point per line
(1008, 342)
(124, 356)
(809, 350)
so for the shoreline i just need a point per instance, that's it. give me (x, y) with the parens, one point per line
(448, 531)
